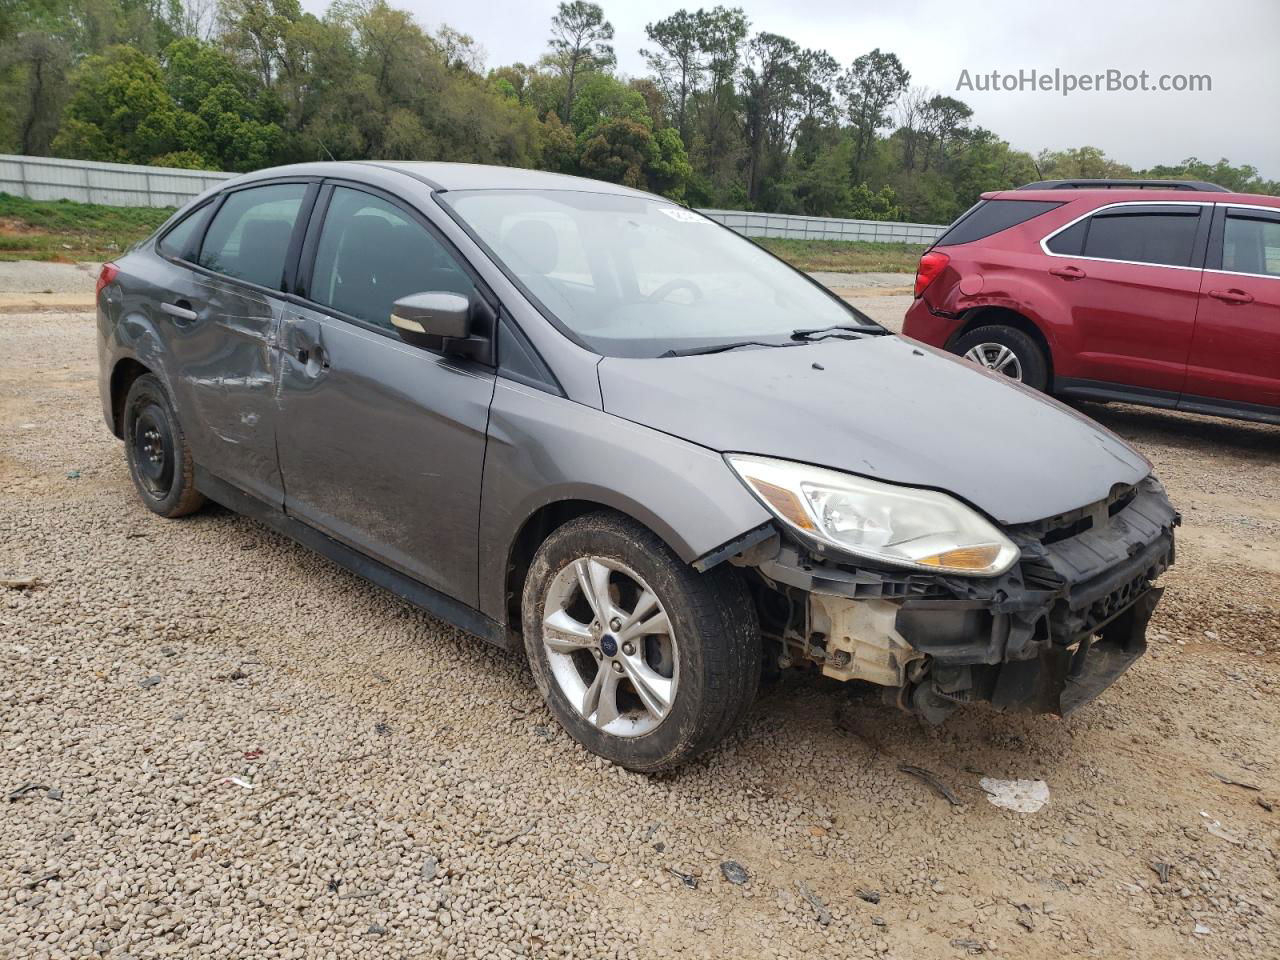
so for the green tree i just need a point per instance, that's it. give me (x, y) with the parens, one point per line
(580, 38)
(870, 87)
(119, 110)
(771, 86)
(677, 62)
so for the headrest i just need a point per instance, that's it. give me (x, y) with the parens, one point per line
(263, 244)
(535, 244)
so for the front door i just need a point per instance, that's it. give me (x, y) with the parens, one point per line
(1235, 353)
(382, 443)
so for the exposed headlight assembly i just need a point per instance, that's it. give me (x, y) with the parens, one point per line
(901, 526)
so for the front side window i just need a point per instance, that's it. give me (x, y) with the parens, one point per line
(1251, 244)
(371, 254)
(249, 236)
(632, 276)
(1162, 238)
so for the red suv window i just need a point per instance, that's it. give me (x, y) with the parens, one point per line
(1142, 234)
(987, 217)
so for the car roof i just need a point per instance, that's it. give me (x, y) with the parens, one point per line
(442, 177)
(1106, 195)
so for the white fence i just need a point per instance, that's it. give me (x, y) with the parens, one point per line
(824, 228)
(115, 184)
(129, 185)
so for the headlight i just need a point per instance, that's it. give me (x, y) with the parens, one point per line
(902, 526)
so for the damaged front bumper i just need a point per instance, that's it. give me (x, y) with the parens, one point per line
(1047, 636)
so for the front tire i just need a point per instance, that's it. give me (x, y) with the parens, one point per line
(159, 458)
(644, 661)
(1008, 351)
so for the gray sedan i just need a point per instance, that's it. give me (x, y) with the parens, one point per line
(589, 424)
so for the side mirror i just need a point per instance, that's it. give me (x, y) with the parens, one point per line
(421, 316)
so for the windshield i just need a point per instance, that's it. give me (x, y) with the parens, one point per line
(638, 277)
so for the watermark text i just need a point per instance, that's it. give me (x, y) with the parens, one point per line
(1065, 83)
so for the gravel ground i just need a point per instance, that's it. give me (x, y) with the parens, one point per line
(34, 276)
(399, 790)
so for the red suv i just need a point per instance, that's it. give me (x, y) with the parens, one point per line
(1161, 293)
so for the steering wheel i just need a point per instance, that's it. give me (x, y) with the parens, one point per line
(671, 286)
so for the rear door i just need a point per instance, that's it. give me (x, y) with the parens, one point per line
(222, 315)
(1131, 274)
(1235, 353)
(382, 443)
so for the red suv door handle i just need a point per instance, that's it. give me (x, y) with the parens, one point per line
(1231, 296)
(1068, 273)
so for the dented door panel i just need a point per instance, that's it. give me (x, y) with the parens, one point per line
(221, 367)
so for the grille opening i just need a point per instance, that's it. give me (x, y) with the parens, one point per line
(1068, 531)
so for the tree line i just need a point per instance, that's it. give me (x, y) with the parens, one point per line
(723, 117)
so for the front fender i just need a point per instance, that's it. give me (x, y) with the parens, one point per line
(543, 449)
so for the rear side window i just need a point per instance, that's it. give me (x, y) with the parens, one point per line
(371, 254)
(183, 238)
(249, 236)
(1251, 244)
(991, 216)
(1166, 238)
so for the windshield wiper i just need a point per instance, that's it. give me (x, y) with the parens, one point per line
(721, 348)
(838, 330)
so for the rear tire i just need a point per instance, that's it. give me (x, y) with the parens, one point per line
(646, 699)
(156, 449)
(1006, 350)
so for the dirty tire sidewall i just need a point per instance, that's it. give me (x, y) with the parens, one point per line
(147, 397)
(717, 633)
(1035, 365)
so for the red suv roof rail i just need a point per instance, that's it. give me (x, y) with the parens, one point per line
(1132, 184)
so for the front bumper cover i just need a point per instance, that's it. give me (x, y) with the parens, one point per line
(1047, 636)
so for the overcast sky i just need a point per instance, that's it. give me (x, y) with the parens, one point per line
(1235, 42)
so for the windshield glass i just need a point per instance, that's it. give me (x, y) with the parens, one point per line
(638, 277)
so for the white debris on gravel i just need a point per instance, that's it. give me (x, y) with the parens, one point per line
(1022, 796)
(413, 798)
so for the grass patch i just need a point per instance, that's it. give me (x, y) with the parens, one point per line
(63, 230)
(838, 256)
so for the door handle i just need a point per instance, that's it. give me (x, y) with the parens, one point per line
(1068, 273)
(1231, 296)
(180, 311)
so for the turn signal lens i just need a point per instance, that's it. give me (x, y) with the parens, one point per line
(931, 264)
(965, 558)
(786, 503)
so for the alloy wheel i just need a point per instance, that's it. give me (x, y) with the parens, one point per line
(610, 645)
(997, 357)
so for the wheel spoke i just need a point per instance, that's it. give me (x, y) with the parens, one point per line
(593, 580)
(658, 623)
(653, 688)
(563, 634)
(600, 702)
(1003, 358)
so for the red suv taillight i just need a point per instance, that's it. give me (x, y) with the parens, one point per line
(108, 273)
(931, 264)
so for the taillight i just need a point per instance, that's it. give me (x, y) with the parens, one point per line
(105, 277)
(931, 264)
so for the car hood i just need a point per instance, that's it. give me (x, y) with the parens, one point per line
(887, 408)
